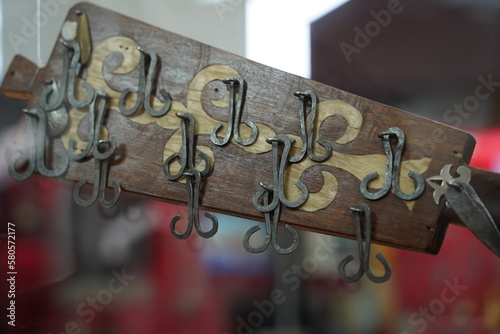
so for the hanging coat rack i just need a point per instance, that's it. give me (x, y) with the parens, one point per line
(357, 149)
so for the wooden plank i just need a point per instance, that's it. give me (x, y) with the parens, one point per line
(191, 73)
(18, 81)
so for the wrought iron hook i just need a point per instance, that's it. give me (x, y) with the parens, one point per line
(193, 211)
(186, 152)
(307, 129)
(234, 119)
(364, 252)
(393, 170)
(100, 180)
(153, 67)
(147, 74)
(271, 233)
(193, 180)
(278, 168)
(195, 203)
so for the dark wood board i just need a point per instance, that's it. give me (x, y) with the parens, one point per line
(235, 177)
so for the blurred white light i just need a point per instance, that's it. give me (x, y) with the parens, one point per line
(278, 32)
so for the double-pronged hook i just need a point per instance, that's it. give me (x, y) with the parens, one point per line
(235, 110)
(279, 167)
(392, 170)
(271, 231)
(307, 121)
(37, 150)
(105, 149)
(276, 192)
(193, 180)
(102, 150)
(147, 74)
(364, 252)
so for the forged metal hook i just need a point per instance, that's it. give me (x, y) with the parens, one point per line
(271, 233)
(145, 88)
(193, 211)
(40, 150)
(186, 159)
(364, 252)
(307, 131)
(74, 70)
(32, 154)
(186, 151)
(279, 178)
(281, 175)
(50, 92)
(417, 178)
(100, 180)
(153, 66)
(234, 119)
(98, 105)
(393, 167)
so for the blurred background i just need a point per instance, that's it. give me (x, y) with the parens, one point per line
(89, 270)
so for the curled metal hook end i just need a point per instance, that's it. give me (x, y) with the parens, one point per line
(295, 242)
(387, 270)
(248, 235)
(342, 270)
(213, 230)
(176, 234)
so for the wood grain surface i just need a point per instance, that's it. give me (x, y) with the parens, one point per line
(191, 73)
